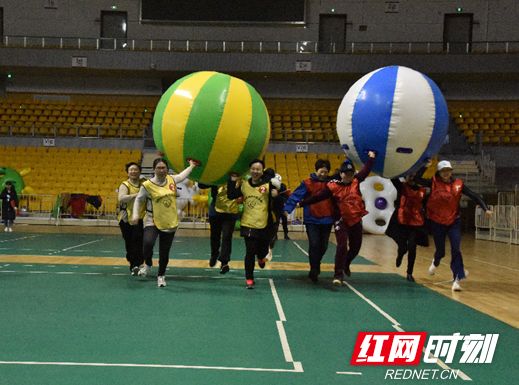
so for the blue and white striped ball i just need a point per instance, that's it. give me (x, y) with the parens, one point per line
(398, 113)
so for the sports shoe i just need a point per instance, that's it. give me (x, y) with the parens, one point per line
(337, 282)
(10, 229)
(161, 281)
(144, 270)
(456, 285)
(313, 275)
(410, 277)
(224, 269)
(6, 229)
(212, 261)
(399, 260)
(287, 237)
(261, 263)
(432, 269)
(249, 284)
(347, 271)
(269, 255)
(134, 270)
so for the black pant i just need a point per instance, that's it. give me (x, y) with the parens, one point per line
(318, 238)
(408, 245)
(222, 227)
(254, 247)
(284, 223)
(133, 236)
(165, 240)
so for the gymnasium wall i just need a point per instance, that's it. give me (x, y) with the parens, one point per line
(416, 20)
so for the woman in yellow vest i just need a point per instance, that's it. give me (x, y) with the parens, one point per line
(161, 220)
(132, 234)
(257, 218)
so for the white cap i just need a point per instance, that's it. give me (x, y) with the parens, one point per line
(444, 164)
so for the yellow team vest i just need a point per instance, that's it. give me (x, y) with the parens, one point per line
(255, 205)
(128, 207)
(163, 203)
(222, 204)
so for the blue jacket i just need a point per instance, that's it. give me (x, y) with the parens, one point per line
(298, 195)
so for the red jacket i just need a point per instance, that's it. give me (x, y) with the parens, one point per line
(444, 200)
(321, 209)
(349, 200)
(410, 210)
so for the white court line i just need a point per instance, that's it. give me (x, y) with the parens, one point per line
(493, 264)
(19, 239)
(73, 247)
(300, 248)
(298, 367)
(396, 325)
(277, 301)
(295, 370)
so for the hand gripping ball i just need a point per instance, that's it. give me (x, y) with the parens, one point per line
(398, 113)
(215, 119)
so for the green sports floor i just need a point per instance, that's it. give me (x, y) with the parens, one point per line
(85, 320)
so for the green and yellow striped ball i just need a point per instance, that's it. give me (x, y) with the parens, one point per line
(213, 118)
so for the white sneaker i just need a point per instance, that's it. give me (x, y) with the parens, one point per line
(144, 270)
(6, 229)
(161, 281)
(456, 285)
(337, 282)
(10, 229)
(269, 255)
(432, 269)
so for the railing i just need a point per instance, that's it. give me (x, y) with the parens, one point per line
(257, 46)
(306, 136)
(78, 131)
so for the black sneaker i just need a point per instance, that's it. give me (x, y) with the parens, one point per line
(261, 263)
(287, 237)
(399, 260)
(212, 261)
(347, 271)
(224, 269)
(410, 277)
(313, 275)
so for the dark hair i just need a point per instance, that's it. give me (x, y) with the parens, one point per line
(322, 163)
(268, 174)
(8, 183)
(160, 160)
(132, 164)
(257, 161)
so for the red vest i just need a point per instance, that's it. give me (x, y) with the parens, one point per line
(444, 201)
(349, 200)
(321, 209)
(410, 210)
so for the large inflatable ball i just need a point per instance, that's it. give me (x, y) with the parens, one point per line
(398, 113)
(215, 119)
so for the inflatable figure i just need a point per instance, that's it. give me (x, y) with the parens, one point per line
(215, 119)
(379, 195)
(9, 174)
(398, 113)
(184, 196)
